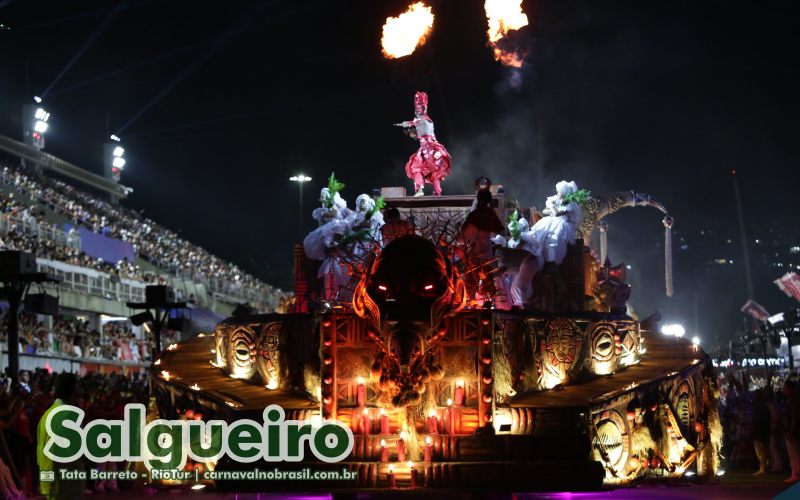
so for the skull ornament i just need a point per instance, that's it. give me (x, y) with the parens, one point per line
(409, 289)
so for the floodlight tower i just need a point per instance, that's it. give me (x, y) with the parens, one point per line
(113, 162)
(34, 124)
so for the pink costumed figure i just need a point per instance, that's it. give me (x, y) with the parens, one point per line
(431, 162)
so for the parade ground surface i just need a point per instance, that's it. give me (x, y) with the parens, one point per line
(739, 485)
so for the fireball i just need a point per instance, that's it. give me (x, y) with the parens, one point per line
(505, 16)
(404, 33)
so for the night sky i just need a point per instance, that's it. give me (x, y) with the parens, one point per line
(218, 105)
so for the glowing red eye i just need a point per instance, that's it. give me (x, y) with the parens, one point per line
(381, 288)
(428, 287)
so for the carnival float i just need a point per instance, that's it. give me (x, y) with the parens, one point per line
(467, 341)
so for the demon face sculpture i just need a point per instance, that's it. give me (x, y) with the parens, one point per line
(408, 291)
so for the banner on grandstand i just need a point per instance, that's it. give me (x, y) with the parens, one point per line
(95, 245)
(789, 284)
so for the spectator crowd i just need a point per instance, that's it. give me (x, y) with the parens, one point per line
(23, 403)
(761, 423)
(73, 338)
(152, 242)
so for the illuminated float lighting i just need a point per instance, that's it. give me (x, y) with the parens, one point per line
(214, 364)
(37, 99)
(118, 151)
(165, 375)
(115, 138)
(721, 473)
(673, 330)
(172, 347)
(300, 178)
(157, 362)
(194, 387)
(272, 384)
(198, 486)
(696, 340)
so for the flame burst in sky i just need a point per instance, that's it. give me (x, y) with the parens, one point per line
(505, 16)
(404, 33)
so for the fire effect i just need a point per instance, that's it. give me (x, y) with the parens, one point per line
(404, 33)
(505, 16)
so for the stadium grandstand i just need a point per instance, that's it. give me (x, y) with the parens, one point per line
(105, 256)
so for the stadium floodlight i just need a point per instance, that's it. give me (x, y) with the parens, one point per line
(118, 151)
(41, 114)
(300, 178)
(115, 138)
(40, 126)
(118, 162)
(37, 99)
(673, 330)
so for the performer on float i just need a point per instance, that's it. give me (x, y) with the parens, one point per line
(365, 225)
(321, 243)
(475, 237)
(431, 163)
(547, 240)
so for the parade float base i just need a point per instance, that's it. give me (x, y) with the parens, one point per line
(665, 357)
(550, 450)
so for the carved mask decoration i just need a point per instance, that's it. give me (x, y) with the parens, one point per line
(683, 404)
(610, 442)
(605, 348)
(560, 350)
(268, 359)
(242, 352)
(409, 289)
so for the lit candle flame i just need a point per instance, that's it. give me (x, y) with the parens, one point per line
(505, 16)
(404, 33)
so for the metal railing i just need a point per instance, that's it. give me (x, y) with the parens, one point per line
(41, 230)
(95, 283)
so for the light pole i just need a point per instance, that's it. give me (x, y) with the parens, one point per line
(113, 162)
(300, 179)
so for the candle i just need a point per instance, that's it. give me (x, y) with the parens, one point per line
(448, 418)
(390, 477)
(384, 422)
(361, 392)
(433, 423)
(384, 451)
(428, 448)
(414, 474)
(401, 447)
(366, 422)
(458, 396)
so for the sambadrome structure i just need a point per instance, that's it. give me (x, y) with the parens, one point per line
(443, 382)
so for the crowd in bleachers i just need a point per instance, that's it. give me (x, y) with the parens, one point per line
(25, 224)
(72, 338)
(152, 242)
(24, 402)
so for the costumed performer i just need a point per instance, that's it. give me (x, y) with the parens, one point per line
(431, 163)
